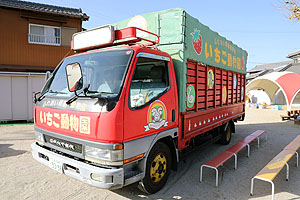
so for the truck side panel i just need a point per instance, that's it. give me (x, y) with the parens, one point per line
(196, 123)
(213, 87)
(214, 97)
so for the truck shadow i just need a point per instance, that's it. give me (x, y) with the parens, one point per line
(234, 184)
(7, 151)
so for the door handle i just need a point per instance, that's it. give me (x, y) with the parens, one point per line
(173, 115)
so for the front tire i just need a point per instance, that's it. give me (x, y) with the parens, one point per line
(158, 168)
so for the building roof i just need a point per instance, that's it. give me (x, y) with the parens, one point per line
(253, 75)
(261, 70)
(270, 66)
(295, 54)
(295, 67)
(38, 7)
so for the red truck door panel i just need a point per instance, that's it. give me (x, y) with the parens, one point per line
(150, 98)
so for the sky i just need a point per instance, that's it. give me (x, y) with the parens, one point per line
(261, 27)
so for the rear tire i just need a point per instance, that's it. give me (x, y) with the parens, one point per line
(158, 168)
(226, 136)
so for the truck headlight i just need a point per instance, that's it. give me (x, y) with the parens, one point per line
(39, 137)
(112, 157)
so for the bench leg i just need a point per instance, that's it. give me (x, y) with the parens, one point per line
(252, 182)
(217, 177)
(287, 171)
(252, 185)
(201, 169)
(258, 140)
(248, 146)
(272, 190)
(297, 157)
(235, 161)
(217, 173)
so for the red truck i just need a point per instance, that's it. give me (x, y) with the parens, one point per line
(135, 96)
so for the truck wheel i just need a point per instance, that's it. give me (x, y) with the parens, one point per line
(158, 168)
(226, 136)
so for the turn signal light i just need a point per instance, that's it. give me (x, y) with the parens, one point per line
(133, 158)
(118, 146)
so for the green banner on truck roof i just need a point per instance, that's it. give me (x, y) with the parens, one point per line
(208, 47)
(201, 44)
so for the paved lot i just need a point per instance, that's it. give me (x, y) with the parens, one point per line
(21, 177)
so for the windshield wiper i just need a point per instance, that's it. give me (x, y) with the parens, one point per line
(84, 91)
(105, 93)
(92, 92)
(56, 92)
(42, 96)
(73, 98)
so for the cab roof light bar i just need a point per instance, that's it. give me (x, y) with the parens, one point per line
(106, 36)
(132, 33)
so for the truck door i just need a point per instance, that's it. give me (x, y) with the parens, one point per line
(151, 102)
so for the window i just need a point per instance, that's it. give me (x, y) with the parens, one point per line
(104, 72)
(150, 80)
(48, 35)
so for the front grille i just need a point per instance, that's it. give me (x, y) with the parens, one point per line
(64, 144)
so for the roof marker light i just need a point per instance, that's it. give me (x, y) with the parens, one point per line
(105, 36)
(93, 38)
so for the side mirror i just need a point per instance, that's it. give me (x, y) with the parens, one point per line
(74, 77)
(47, 75)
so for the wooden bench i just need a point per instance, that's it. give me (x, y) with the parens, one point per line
(230, 152)
(272, 169)
(293, 113)
(285, 117)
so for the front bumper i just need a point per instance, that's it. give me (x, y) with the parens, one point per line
(111, 178)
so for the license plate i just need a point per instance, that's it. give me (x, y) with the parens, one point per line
(56, 165)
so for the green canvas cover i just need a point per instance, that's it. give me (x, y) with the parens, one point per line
(184, 37)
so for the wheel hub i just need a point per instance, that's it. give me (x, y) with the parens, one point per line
(228, 134)
(158, 168)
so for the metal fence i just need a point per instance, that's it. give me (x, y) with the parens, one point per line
(42, 39)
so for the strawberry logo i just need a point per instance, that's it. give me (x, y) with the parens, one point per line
(197, 41)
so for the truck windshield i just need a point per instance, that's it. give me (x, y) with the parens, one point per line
(103, 74)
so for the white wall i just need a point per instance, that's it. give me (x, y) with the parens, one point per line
(17, 91)
(5, 98)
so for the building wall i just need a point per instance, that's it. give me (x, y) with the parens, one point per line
(19, 89)
(15, 49)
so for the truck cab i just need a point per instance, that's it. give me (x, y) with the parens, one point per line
(108, 116)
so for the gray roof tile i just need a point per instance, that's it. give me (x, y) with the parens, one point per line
(295, 67)
(26, 5)
(295, 54)
(270, 66)
(292, 67)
